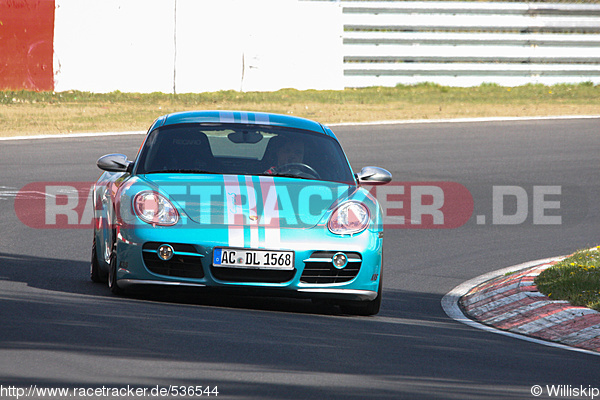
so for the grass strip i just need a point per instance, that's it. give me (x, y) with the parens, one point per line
(34, 113)
(575, 279)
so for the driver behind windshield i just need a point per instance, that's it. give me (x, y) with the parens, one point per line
(286, 151)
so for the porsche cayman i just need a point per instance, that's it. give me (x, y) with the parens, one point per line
(262, 202)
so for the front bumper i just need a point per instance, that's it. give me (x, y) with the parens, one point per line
(311, 248)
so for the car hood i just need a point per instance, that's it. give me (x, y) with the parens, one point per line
(251, 200)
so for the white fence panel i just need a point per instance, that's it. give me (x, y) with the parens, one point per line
(417, 22)
(467, 74)
(197, 45)
(438, 38)
(450, 53)
(469, 43)
(201, 45)
(238, 45)
(103, 46)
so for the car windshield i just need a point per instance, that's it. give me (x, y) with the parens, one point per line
(243, 150)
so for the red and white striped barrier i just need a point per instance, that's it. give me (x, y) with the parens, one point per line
(513, 303)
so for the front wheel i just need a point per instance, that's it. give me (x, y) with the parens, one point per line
(112, 273)
(364, 308)
(95, 274)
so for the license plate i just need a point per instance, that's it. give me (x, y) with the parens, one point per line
(246, 258)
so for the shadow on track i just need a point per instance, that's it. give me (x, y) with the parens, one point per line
(68, 276)
(248, 345)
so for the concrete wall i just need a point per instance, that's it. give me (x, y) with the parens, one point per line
(197, 45)
(26, 40)
(179, 46)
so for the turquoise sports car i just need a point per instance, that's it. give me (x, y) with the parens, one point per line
(241, 200)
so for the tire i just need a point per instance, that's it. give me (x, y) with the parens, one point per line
(96, 275)
(112, 273)
(364, 308)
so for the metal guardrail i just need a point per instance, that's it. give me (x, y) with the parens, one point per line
(468, 43)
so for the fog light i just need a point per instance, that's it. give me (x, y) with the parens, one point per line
(339, 260)
(165, 252)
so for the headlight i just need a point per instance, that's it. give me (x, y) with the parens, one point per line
(155, 209)
(351, 217)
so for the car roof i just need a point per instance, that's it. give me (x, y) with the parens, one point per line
(241, 117)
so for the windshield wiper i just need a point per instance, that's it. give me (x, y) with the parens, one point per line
(287, 175)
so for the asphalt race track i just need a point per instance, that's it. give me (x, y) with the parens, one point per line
(58, 329)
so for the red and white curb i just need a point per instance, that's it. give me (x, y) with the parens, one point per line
(507, 302)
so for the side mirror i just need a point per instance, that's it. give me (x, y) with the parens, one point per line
(114, 163)
(374, 176)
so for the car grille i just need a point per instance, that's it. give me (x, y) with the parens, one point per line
(252, 275)
(320, 269)
(185, 263)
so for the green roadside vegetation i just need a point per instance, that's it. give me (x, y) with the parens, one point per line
(35, 113)
(575, 279)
